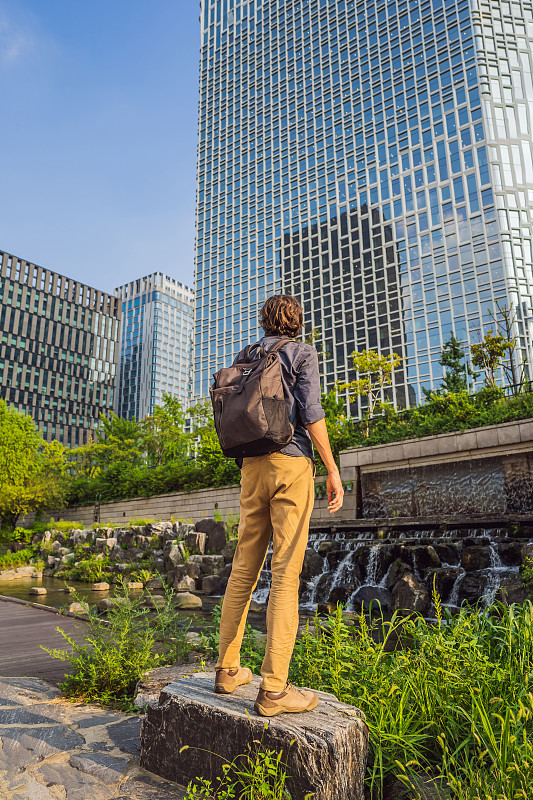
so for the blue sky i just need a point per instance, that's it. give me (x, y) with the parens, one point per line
(98, 136)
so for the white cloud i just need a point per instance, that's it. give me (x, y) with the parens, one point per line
(16, 40)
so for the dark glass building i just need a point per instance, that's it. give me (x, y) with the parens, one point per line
(58, 349)
(374, 158)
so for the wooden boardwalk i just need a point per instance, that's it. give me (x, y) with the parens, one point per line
(22, 630)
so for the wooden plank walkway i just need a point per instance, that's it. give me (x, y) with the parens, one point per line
(22, 630)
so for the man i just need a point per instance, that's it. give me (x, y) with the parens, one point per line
(277, 496)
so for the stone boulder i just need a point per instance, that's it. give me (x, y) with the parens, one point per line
(216, 534)
(188, 600)
(448, 552)
(229, 550)
(174, 558)
(510, 553)
(100, 586)
(371, 597)
(181, 529)
(512, 590)
(154, 583)
(342, 593)
(313, 564)
(474, 558)
(184, 584)
(423, 556)
(409, 594)
(37, 590)
(325, 751)
(445, 579)
(526, 552)
(195, 542)
(472, 586)
(212, 584)
(209, 564)
(397, 570)
(104, 545)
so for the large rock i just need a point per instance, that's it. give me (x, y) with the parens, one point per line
(473, 586)
(181, 529)
(410, 595)
(475, 557)
(195, 542)
(187, 600)
(371, 597)
(325, 750)
(184, 584)
(512, 590)
(216, 534)
(510, 553)
(445, 579)
(209, 565)
(212, 584)
(397, 570)
(174, 558)
(104, 545)
(448, 552)
(313, 564)
(229, 550)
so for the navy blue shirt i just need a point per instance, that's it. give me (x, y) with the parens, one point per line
(301, 385)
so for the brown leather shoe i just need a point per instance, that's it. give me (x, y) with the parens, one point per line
(291, 701)
(227, 680)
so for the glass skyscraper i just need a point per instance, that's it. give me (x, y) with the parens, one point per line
(155, 344)
(375, 159)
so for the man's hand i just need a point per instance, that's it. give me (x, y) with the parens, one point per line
(335, 492)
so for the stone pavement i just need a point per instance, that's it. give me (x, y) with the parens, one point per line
(51, 749)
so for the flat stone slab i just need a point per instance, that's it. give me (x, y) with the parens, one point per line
(325, 750)
(52, 749)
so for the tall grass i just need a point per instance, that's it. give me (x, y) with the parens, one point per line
(451, 699)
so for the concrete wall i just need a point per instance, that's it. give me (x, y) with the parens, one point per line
(186, 506)
(476, 471)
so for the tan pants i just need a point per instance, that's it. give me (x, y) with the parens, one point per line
(277, 496)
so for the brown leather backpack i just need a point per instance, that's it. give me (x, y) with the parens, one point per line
(251, 416)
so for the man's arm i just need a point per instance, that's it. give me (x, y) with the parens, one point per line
(319, 436)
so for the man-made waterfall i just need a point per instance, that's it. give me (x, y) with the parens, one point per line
(398, 567)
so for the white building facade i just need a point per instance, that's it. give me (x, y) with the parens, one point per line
(155, 344)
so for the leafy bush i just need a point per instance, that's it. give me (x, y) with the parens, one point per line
(110, 655)
(20, 559)
(90, 570)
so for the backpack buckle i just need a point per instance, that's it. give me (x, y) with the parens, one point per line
(245, 374)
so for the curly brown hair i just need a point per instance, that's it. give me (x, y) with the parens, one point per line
(282, 315)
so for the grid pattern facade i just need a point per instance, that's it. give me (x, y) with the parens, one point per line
(156, 344)
(346, 156)
(58, 349)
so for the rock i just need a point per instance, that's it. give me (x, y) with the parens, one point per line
(526, 552)
(76, 608)
(448, 552)
(107, 769)
(229, 550)
(323, 587)
(225, 572)
(187, 600)
(195, 542)
(51, 561)
(144, 542)
(181, 529)
(216, 534)
(135, 585)
(175, 557)
(150, 686)
(445, 580)
(100, 586)
(110, 602)
(209, 565)
(55, 547)
(192, 570)
(397, 570)
(103, 545)
(154, 583)
(372, 597)
(510, 553)
(46, 537)
(475, 557)
(512, 590)
(155, 601)
(336, 555)
(341, 594)
(313, 565)
(325, 547)
(8, 575)
(25, 572)
(410, 595)
(472, 586)
(212, 584)
(325, 751)
(38, 590)
(256, 607)
(184, 584)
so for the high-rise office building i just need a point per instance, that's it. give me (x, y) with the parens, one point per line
(373, 158)
(156, 344)
(58, 349)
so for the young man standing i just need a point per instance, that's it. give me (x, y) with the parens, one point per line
(277, 496)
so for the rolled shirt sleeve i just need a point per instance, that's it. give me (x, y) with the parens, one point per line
(307, 391)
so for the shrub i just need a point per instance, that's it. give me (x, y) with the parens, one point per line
(89, 570)
(109, 655)
(20, 559)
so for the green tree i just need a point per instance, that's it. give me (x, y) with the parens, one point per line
(489, 354)
(216, 468)
(32, 471)
(163, 432)
(456, 372)
(506, 325)
(374, 372)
